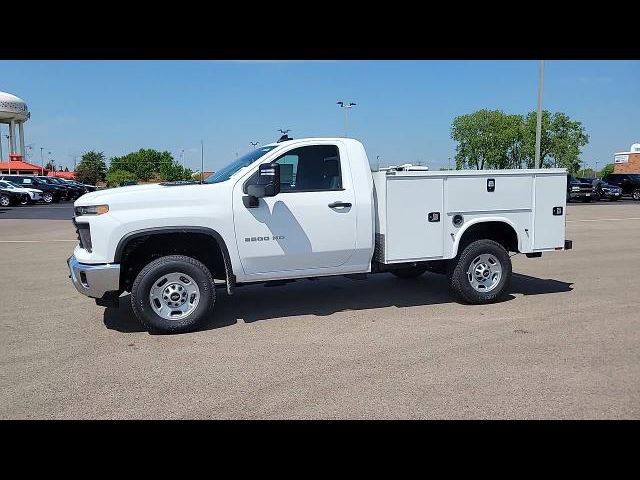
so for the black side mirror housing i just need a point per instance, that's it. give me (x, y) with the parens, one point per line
(267, 184)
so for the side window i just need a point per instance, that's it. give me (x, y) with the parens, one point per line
(313, 168)
(26, 180)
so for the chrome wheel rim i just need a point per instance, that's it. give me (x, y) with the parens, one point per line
(484, 273)
(636, 195)
(174, 296)
(4, 201)
(47, 197)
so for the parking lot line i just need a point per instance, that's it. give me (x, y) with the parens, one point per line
(604, 220)
(35, 241)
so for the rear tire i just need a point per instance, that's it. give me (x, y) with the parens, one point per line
(47, 197)
(5, 200)
(470, 265)
(636, 195)
(409, 272)
(153, 291)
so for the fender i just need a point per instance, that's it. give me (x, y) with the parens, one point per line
(476, 221)
(230, 277)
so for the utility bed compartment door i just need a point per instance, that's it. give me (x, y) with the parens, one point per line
(409, 234)
(549, 226)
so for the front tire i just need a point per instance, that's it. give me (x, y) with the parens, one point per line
(481, 273)
(47, 197)
(409, 272)
(5, 200)
(636, 195)
(173, 294)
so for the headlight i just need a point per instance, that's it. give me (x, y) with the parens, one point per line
(92, 210)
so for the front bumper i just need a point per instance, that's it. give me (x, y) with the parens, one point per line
(94, 280)
(580, 194)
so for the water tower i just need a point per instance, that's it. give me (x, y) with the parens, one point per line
(13, 111)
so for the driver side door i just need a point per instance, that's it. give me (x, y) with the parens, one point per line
(310, 225)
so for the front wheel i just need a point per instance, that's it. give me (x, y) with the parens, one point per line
(481, 273)
(173, 294)
(47, 197)
(5, 200)
(636, 194)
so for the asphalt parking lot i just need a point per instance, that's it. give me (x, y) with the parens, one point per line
(563, 344)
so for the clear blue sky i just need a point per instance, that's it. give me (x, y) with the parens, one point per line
(404, 110)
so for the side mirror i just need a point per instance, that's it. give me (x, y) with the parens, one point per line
(267, 184)
(268, 181)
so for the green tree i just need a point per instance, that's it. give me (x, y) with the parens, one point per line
(50, 166)
(116, 177)
(487, 139)
(606, 170)
(561, 141)
(92, 168)
(149, 164)
(493, 139)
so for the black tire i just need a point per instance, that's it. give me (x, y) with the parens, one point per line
(409, 272)
(25, 200)
(457, 274)
(5, 200)
(162, 266)
(636, 194)
(47, 197)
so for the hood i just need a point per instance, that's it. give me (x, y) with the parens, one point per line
(152, 196)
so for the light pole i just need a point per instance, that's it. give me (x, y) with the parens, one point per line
(346, 106)
(539, 118)
(41, 160)
(182, 158)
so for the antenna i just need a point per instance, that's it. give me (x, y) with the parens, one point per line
(284, 136)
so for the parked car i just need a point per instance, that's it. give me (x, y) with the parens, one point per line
(32, 194)
(579, 190)
(73, 192)
(603, 189)
(10, 197)
(323, 213)
(50, 193)
(628, 182)
(82, 186)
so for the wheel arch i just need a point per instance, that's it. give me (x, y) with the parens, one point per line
(157, 233)
(499, 229)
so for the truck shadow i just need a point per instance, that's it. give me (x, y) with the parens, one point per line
(252, 303)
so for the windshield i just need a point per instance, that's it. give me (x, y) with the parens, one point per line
(225, 173)
(635, 178)
(5, 184)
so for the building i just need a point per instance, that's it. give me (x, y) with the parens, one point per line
(627, 162)
(65, 175)
(18, 167)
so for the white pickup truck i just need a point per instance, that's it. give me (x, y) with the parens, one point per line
(308, 208)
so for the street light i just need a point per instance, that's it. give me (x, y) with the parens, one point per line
(254, 144)
(346, 106)
(41, 160)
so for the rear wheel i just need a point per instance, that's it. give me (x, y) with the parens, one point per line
(409, 272)
(636, 194)
(25, 200)
(5, 200)
(481, 272)
(47, 197)
(173, 294)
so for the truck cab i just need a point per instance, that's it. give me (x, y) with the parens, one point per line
(309, 208)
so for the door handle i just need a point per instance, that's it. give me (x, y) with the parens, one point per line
(339, 204)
